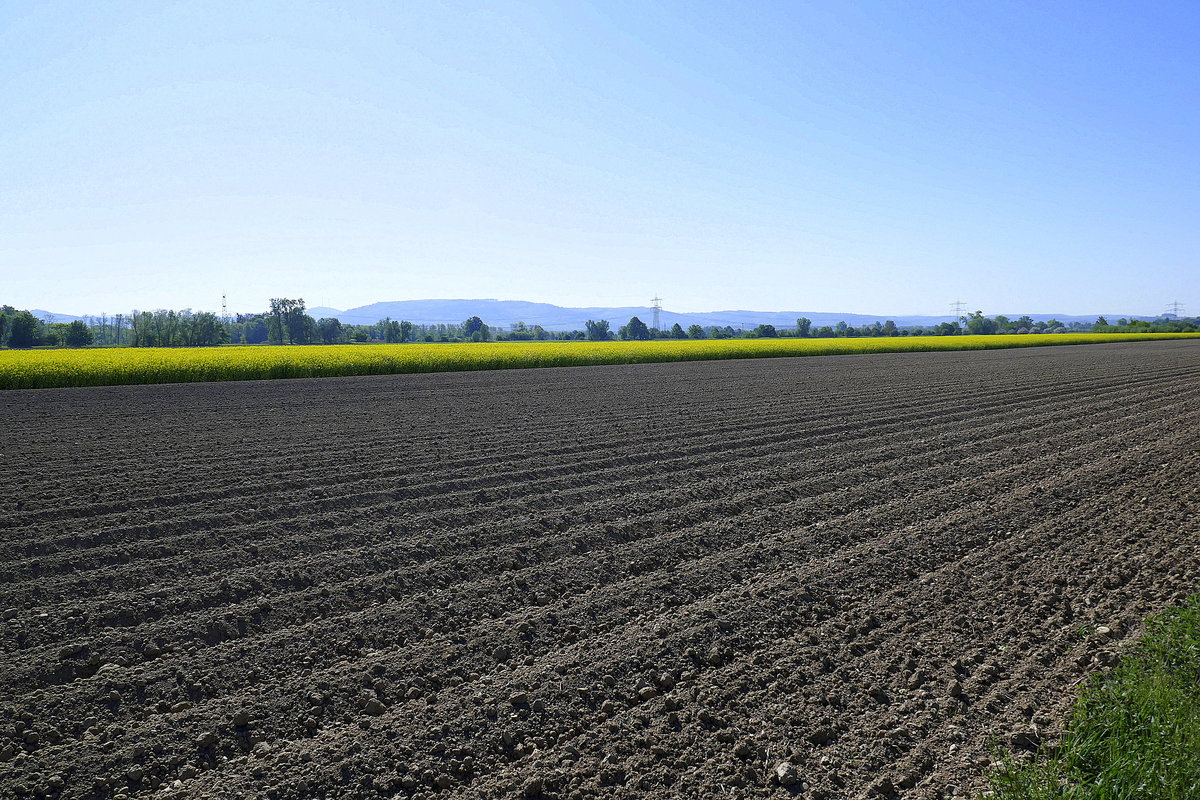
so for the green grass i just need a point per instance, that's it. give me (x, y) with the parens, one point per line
(43, 369)
(1134, 733)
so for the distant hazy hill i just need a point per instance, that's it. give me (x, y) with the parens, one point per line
(507, 312)
(53, 317)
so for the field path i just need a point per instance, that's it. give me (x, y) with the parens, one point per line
(847, 575)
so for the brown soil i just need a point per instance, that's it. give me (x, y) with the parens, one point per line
(846, 574)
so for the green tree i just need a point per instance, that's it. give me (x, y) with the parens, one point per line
(598, 330)
(677, 331)
(473, 329)
(978, 324)
(276, 330)
(54, 333)
(254, 329)
(140, 332)
(78, 334)
(24, 330)
(636, 330)
(301, 327)
(803, 326)
(287, 321)
(205, 329)
(766, 332)
(695, 332)
(889, 329)
(329, 329)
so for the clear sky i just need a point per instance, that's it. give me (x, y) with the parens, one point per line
(872, 157)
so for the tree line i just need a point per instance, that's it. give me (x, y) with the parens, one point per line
(286, 321)
(973, 324)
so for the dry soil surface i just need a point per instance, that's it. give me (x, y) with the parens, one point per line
(821, 577)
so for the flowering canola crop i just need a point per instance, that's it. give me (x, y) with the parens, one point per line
(39, 369)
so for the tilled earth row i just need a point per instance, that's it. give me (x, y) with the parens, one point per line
(834, 577)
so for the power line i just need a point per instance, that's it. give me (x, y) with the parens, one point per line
(657, 308)
(1175, 308)
(959, 306)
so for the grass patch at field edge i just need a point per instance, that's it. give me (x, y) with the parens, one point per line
(1133, 733)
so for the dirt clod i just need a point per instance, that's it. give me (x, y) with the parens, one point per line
(785, 773)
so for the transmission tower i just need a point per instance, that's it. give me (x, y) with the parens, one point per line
(959, 306)
(224, 310)
(1175, 308)
(657, 308)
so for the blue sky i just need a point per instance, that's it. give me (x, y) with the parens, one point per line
(871, 157)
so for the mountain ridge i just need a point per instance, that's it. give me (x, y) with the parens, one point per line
(506, 313)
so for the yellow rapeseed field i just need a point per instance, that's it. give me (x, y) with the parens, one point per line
(39, 369)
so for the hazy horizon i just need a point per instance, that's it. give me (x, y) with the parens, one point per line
(1114, 314)
(888, 159)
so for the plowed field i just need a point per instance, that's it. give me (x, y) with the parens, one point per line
(845, 575)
